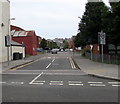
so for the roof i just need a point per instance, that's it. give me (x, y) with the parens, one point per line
(23, 33)
(13, 43)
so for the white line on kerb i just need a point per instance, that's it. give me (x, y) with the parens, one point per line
(36, 78)
(48, 66)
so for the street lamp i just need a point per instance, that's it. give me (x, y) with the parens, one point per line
(10, 37)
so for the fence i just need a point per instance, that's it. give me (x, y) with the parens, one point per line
(109, 59)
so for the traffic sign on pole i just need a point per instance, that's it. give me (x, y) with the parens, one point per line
(102, 37)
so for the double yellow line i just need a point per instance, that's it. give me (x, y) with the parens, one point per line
(72, 63)
(26, 64)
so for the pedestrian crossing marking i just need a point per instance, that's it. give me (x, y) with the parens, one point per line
(75, 84)
(70, 83)
(96, 82)
(97, 85)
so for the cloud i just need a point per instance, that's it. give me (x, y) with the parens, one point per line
(48, 16)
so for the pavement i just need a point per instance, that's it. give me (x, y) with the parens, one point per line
(109, 71)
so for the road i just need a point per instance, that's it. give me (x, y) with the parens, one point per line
(55, 78)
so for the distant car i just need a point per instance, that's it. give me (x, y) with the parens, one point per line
(54, 51)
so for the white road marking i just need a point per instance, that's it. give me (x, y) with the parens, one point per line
(17, 82)
(2, 82)
(48, 66)
(114, 82)
(74, 81)
(116, 85)
(56, 84)
(97, 85)
(53, 60)
(96, 82)
(36, 78)
(75, 84)
(56, 81)
(39, 81)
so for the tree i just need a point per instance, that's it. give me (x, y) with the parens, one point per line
(43, 43)
(114, 33)
(91, 23)
(66, 44)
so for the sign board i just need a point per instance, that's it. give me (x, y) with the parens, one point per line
(7, 40)
(102, 38)
(91, 47)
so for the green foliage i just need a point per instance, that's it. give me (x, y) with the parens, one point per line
(99, 17)
(84, 50)
(66, 44)
(52, 45)
(43, 43)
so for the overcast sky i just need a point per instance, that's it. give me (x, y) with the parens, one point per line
(49, 18)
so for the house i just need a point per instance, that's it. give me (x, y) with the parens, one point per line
(28, 38)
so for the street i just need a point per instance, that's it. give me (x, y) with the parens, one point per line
(55, 78)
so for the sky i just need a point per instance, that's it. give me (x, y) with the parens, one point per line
(49, 18)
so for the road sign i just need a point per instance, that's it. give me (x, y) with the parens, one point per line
(102, 37)
(7, 40)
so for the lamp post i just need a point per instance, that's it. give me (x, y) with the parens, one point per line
(10, 36)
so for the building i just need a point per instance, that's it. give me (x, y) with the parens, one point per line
(17, 48)
(4, 29)
(28, 38)
(71, 43)
(39, 39)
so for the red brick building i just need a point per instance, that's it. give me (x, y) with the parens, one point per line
(29, 39)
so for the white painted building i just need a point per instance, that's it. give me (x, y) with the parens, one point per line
(4, 28)
(6, 53)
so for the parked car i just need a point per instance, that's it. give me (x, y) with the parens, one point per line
(54, 51)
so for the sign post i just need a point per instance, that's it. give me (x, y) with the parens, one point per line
(102, 39)
(91, 46)
(7, 44)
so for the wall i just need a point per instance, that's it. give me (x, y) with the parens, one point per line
(18, 49)
(4, 18)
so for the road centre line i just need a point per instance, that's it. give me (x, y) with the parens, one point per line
(53, 60)
(36, 78)
(48, 65)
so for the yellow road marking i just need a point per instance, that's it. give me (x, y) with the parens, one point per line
(25, 64)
